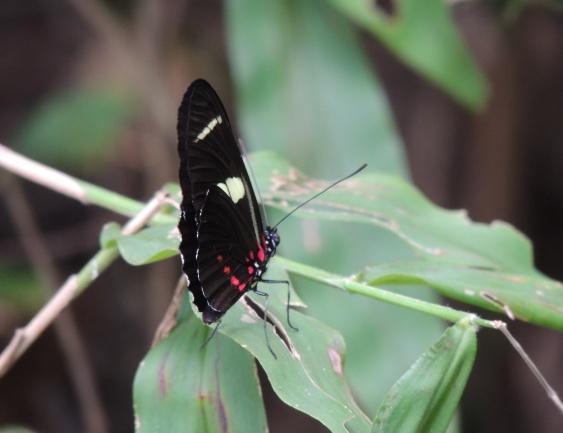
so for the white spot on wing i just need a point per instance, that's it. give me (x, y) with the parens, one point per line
(212, 124)
(234, 188)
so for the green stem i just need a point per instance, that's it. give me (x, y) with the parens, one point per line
(355, 287)
(73, 287)
(95, 266)
(77, 189)
(118, 203)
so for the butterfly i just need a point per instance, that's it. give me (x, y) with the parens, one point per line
(225, 246)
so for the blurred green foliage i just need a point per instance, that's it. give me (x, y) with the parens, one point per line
(306, 89)
(15, 429)
(75, 128)
(423, 36)
(20, 290)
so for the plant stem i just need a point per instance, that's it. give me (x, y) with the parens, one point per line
(80, 190)
(350, 285)
(66, 330)
(74, 286)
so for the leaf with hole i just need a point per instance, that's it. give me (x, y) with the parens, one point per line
(436, 51)
(304, 86)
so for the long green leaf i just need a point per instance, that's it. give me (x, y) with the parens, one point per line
(423, 35)
(529, 297)
(462, 258)
(424, 399)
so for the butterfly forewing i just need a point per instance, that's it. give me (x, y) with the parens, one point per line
(221, 222)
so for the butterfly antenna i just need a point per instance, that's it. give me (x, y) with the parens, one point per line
(355, 172)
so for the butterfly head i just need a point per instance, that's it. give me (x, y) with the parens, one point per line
(272, 240)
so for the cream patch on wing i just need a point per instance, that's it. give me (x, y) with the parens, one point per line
(234, 188)
(212, 124)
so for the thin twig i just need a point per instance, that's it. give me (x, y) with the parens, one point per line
(41, 174)
(66, 330)
(170, 318)
(551, 393)
(74, 188)
(74, 286)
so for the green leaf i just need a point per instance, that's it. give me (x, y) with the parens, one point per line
(150, 245)
(423, 35)
(75, 128)
(308, 376)
(529, 297)
(180, 387)
(305, 87)
(396, 335)
(492, 258)
(425, 398)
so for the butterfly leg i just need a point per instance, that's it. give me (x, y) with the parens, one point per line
(288, 299)
(211, 336)
(267, 296)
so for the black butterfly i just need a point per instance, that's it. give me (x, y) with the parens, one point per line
(225, 246)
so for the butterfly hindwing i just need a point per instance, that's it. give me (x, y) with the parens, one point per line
(221, 222)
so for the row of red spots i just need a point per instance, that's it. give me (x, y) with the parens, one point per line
(236, 283)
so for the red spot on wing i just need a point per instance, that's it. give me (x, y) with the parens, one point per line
(219, 258)
(235, 281)
(251, 255)
(227, 270)
(250, 270)
(261, 255)
(242, 287)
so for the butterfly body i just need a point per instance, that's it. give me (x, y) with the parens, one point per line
(225, 246)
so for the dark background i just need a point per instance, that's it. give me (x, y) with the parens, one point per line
(504, 163)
